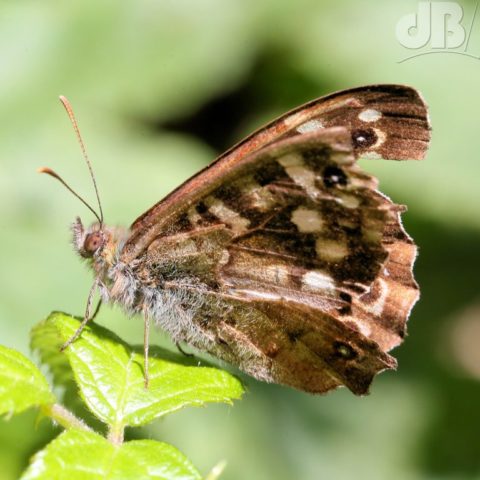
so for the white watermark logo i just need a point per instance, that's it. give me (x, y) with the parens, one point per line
(437, 27)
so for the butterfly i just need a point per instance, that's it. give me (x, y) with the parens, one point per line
(281, 257)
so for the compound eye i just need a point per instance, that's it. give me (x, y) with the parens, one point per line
(93, 242)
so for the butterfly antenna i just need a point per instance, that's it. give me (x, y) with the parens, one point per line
(55, 175)
(71, 115)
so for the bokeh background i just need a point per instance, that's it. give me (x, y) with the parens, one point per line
(160, 88)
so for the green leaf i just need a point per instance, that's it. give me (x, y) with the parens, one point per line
(79, 455)
(22, 385)
(46, 342)
(110, 375)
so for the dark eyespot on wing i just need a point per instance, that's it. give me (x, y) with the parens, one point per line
(364, 138)
(333, 176)
(345, 351)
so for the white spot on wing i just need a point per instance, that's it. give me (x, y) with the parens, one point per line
(224, 258)
(370, 115)
(346, 222)
(371, 155)
(372, 235)
(318, 280)
(310, 126)
(349, 201)
(193, 216)
(331, 250)
(307, 220)
(258, 196)
(364, 329)
(225, 214)
(377, 307)
(299, 173)
(290, 160)
(305, 178)
(381, 137)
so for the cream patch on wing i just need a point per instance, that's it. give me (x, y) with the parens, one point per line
(331, 250)
(307, 220)
(291, 160)
(378, 305)
(372, 235)
(370, 115)
(381, 137)
(364, 329)
(297, 170)
(371, 155)
(230, 217)
(193, 216)
(317, 280)
(258, 196)
(310, 126)
(348, 201)
(347, 223)
(224, 258)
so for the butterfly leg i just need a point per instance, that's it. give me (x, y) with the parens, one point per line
(87, 317)
(97, 309)
(182, 351)
(146, 333)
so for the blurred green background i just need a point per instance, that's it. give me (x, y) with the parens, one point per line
(160, 88)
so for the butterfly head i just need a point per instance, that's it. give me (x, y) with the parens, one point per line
(89, 242)
(97, 242)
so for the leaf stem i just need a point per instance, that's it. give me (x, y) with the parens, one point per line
(64, 417)
(115, 434)
(217, 470)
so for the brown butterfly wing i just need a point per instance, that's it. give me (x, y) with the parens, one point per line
(305, 269)
(387, 121)
(294, 344)
(298, 269)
